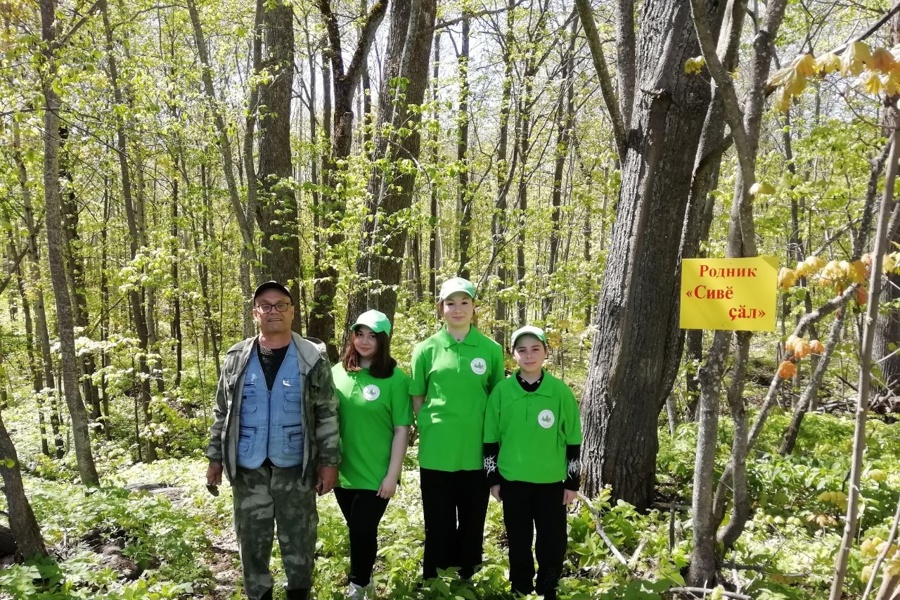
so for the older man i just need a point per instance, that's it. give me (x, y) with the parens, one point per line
(276, 438)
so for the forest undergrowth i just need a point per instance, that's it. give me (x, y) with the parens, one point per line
(176, 541)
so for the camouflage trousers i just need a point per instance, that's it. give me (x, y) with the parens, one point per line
(262, 498)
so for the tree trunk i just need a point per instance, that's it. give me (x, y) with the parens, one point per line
(565, 114)
(241, 213)
(331, 211)
(633, 359)
(55, 240)
(75, 261)
(745, 128)
(44, 383)
(133, 212)
(434, 261)
(22, 522)
(391, 187)
(464, 194)
(500, 218)
(865, 374)
(277, 207)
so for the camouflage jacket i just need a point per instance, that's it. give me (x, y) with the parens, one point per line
(321, 440)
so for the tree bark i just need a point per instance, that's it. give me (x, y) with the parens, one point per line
(631, 372)
(345, 82)
(241, 212)
(55, 240)
(390, 190)
(22, 521)
(464, 195)
(133, 213)
(75, 261)
(565, 115)
(277, 206)
(33, 296)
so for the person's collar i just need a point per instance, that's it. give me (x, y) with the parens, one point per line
(449, 340)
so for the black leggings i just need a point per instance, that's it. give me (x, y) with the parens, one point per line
(363, 511)
(454, 504)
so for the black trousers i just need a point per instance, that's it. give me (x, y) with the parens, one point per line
(528, 507)
(363, 511)
(454, 504)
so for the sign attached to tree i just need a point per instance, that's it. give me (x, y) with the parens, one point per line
(735, 294)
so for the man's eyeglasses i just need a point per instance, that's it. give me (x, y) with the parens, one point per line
(267, 308)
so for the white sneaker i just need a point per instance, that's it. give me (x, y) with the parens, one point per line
(357, 592)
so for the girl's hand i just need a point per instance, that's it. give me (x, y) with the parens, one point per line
(495, 492)
(569, 496)
(387, 489)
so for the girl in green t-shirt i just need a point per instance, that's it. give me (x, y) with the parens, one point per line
(532, 443)
(375, 415)
(453, 372)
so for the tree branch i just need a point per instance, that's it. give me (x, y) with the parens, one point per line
(366, 39)
(609, 95)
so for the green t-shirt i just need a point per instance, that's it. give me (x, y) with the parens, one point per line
(455, 378)
(533, 429)
(369, 410)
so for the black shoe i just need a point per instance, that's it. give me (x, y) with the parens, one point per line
(299, 594)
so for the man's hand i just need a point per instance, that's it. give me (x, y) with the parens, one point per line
(387, 488)
(495, 492)
(569, 496)
(327, 480)
(214, 473)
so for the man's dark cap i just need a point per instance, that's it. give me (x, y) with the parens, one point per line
(272, 285)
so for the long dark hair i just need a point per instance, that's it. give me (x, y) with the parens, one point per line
(382, 363)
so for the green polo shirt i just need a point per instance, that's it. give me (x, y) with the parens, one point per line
(533, 429)
(369, 410)
(455, 378)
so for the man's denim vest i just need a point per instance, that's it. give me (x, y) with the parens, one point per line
(270, 423)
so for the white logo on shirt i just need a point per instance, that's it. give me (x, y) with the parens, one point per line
(371, 392)
(546, 419)
(479, 366)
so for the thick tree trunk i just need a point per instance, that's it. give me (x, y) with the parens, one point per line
(632, 364)
(55, 239)
(277, 206)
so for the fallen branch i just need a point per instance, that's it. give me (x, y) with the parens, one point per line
(598, 522)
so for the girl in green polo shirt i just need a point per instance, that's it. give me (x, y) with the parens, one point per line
(375, 415)
(453, 372)
(532, 443)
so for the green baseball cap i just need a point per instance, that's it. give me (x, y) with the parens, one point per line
(456, 284)
(375, 320)
(529, 330)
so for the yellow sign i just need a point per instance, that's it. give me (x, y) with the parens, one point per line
(736, 294)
